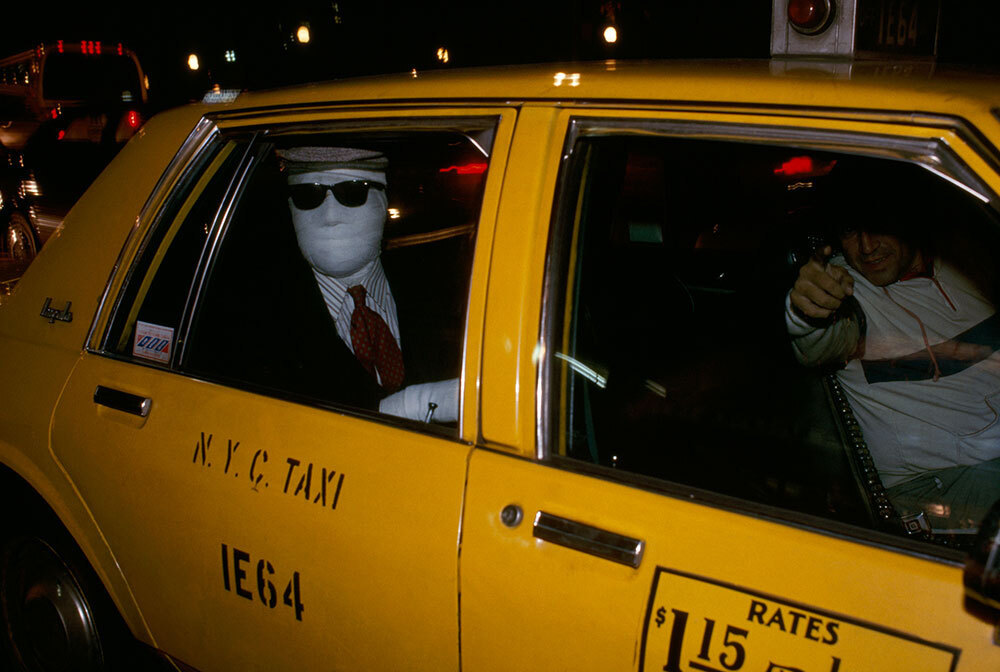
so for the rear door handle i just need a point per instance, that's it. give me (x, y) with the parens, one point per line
(122, 401)
(588, 539)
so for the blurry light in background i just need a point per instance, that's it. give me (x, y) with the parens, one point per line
(394, 213)
(193, 61)
(466, 169)
(230, 56)
(442, 54)
(302, 34)
(29, 187)
(610, 35)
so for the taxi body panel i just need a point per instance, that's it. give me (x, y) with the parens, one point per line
(239, 530)
(697, 540)
(615, 614)
(45, 352)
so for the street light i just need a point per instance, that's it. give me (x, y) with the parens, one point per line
(610, 35)
(302, 34)
(193, 61)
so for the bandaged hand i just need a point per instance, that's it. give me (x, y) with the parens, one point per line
(415, 401)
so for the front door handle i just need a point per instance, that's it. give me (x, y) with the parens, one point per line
(122, 401)
(588, 539)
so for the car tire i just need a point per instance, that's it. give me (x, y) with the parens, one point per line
(53, 612)
(19, 238)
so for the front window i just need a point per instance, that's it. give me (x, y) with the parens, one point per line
(678, 354)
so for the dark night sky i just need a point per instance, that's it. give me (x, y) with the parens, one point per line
(352, 37)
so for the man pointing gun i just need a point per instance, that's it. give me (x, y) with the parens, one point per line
(917, 343)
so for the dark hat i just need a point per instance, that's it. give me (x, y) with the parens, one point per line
(297, 160)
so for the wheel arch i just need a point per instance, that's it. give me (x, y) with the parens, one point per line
(35, 512)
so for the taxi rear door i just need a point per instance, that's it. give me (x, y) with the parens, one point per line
(259, 529)
(571, 563)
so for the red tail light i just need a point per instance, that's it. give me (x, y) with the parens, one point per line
(133, 119)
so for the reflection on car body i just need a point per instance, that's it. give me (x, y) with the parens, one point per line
(640, 476)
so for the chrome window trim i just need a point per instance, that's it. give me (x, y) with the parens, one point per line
(931, 154)
(215, 139)
(200, 137)
(957, 124)
(220, 224)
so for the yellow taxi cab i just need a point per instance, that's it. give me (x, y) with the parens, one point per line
(631, 472)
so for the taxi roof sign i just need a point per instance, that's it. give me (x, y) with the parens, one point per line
(855, 28)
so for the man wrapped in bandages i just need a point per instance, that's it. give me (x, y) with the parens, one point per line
(337, 198)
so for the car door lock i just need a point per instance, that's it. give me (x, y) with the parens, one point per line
(512, 515)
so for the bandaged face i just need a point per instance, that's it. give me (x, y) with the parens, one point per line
(338, 215)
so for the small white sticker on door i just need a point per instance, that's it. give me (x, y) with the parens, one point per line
(153, 342)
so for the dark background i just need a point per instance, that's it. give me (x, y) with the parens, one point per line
(360, 37)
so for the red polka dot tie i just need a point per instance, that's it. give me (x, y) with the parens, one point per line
(373, 342)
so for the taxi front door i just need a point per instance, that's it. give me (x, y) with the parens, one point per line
(571, 567)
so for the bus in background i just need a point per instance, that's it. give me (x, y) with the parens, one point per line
(66, 108)
(56, 79)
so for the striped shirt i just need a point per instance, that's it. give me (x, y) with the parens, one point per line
(341, 305)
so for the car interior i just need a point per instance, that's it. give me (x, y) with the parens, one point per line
(675, 361)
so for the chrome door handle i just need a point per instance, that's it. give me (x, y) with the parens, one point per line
(122, 401)
(588, 539)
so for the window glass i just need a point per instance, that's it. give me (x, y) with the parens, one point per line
(147, 321)
(343, 274)
(679, 354)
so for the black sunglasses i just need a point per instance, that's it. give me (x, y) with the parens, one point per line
(352, 193)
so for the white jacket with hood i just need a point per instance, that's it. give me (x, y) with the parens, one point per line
(924, 379)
